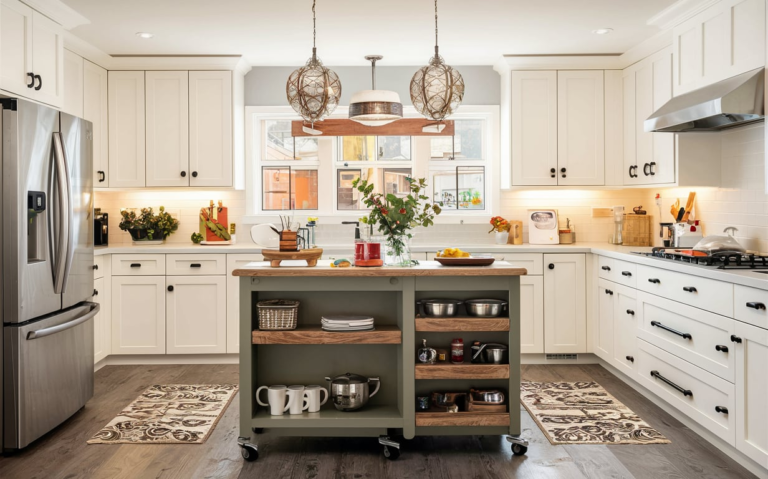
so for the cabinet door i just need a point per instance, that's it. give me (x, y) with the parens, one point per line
(138, 315)
(746, 34)
(531, 314)
(687, 52)
(534, 128)
(580, 128)
(235, 261)
(630, 128)
(99, 337)
(751, 391)
(96, 111)
(210, 128)
(126, 129)
(16, 47)
(167, 100)
(73, 84)
(624, 329)
(606, 307)
(565, 310)
(48, 60)
(196, 314)
(662, 166)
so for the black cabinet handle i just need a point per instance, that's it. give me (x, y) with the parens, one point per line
(31, 80)
(102, 176)
(95, 266)
(39, 82)
(606, 268)
(721, 409)
(552, 172)
(183, 174)
(170, 288)
(551, 266)
(608, 291)
(630, 312)
(683, 391)
(759, 306)
(735, 339)
(195, 265)
(630, 171)
(721, 348)
(626, 273)
(654, 281)
(631, 359)
(194, 174)
(673, 331)
(689, 289)
(135, 265)
(652, 166)
(645, 169)
(95, 292)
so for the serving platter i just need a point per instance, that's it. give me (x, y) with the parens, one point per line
(470, 261)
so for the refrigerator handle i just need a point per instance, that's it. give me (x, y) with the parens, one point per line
(62, 229)
(41, 333)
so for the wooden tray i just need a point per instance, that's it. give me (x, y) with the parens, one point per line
(473, 419)
(471, 261)
(275, 257)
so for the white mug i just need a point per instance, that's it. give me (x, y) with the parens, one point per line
(276, 397)
(313, 393)
(298, 402)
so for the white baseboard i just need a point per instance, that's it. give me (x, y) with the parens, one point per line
(583, 358)
(726, 448)
(121, 360)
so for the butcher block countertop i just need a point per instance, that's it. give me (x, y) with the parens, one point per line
(425, 268)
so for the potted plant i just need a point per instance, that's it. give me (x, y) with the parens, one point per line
(148, 226)
(501, 227)
(396, 217)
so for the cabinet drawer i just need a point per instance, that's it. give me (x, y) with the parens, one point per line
(705, 390)
(708, 294)
(699, 337)
(195, 264)
(757, 299)
(617, 271)
(98, 267)
(138, 264)
(533, 262)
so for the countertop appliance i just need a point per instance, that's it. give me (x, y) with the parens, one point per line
(100, 228)
(685, 235)
(47, 269)
(542, 227)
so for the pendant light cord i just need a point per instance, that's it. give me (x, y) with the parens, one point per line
(314, 31)
(435, 27)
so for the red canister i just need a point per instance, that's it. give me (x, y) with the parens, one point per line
(457, 351)
(373, 251)
(359, 251)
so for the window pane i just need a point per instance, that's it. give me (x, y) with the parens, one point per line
(468, 143)
(358, 148)
(397, 148)
(275, 187)
(279, 140)
(441, 148)
(444, 188)
(306, 148)
(347, 197)
(302, 188)
(471, 187)
(395, 181)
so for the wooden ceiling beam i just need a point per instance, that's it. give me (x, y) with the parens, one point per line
(404, 127)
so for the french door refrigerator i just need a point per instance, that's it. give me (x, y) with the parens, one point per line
(46, 261)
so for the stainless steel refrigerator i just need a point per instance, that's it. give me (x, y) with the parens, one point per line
(46, 260)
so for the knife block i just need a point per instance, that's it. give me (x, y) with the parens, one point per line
(289, 241)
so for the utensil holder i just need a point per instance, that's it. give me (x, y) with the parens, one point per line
(289, 241)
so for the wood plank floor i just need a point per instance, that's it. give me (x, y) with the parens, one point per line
(64, 454)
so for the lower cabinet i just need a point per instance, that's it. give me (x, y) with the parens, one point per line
(606, 310)
(196, 314)
(138, 314)
(101, 322)
(624, 329)
(235, 261)
(565, 307)
(531, 314)
(751, 350)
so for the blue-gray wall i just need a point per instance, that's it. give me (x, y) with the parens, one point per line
(265, 86)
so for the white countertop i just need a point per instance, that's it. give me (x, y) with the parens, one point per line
(743, 277)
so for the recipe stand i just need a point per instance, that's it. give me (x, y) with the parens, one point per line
(308, 354)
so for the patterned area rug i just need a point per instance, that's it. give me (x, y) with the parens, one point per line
(584, 413)
(169, 414)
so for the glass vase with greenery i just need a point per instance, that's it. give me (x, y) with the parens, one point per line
(148, 226)
(397, 216)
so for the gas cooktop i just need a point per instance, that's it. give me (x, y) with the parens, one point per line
(719, 260)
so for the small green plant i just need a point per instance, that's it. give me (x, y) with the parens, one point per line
(147, 224)
(197, 238)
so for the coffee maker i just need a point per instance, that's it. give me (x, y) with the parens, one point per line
(618, 225)
(100, 228)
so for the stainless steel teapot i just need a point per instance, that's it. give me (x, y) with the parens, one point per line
(351, 391)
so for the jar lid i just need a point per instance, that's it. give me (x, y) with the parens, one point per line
(350, 378)
(458, 340)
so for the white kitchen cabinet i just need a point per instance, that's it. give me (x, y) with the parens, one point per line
(138, 315)
(580, 127)
(624, 329)
(96, 111)
(100, 339)
(47, 60)
(196, 314)
(235, 261)
(534, 128)
(73, 84)
(167, 125)
(751, 413)
(126, 129)
(210, 128)
(565, 311)
(723, 41)
(606, 310)
(531, 314)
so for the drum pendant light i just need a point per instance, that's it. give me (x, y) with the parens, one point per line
(437, 89)
(375, 107)
(313, 90)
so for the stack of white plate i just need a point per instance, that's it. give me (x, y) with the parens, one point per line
(347, 323)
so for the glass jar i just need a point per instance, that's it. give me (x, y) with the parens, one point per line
(457, 351)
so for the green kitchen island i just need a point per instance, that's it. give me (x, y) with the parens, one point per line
(307, 355)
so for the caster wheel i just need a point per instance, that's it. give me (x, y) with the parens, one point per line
(391, 453)
(249, 453)
(258, 430)
(519, 450)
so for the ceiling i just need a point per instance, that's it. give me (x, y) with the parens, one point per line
(279, 32)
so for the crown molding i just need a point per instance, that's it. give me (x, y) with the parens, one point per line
(59, 12)
(79, 46)
(679, 12)
(656, 43)
(559, 62)
(179, 62)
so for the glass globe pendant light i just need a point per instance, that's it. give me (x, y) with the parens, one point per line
(375, 107)
(437, 89)
(313, 90)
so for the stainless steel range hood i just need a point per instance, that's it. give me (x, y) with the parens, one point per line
(726, 104)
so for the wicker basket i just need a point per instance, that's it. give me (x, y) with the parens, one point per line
(278, 314)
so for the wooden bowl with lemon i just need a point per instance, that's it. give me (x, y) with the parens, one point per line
(457, 257)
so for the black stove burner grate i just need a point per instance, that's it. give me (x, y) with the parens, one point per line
(721, 260)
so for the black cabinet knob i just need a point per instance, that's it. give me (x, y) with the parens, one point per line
(608, 291)
(194, 174)
(758, 306)
(95, 292)
(39, 82)
(626, 273)
(735, 339)
(170, 288)
(606, 268)
(552, 172)
(630, 312)
(631, 359)
(183, 174)
(31, 80)
(654, 281)
(95, 266)
(689, 289)
(551, 266)
(721, 348)
(721, 409)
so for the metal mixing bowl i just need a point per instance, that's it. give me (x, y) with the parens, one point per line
(439, 308)
(485, 308)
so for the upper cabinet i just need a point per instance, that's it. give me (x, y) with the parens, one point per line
(126, 129)
(73, 84)
(32, 52)
(210, 128)
(720, 42)
(95, 110)
(167, 125)
(534, 128)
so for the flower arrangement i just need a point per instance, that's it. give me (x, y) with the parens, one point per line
(499, 225)
(396, 216)
(147, 225)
